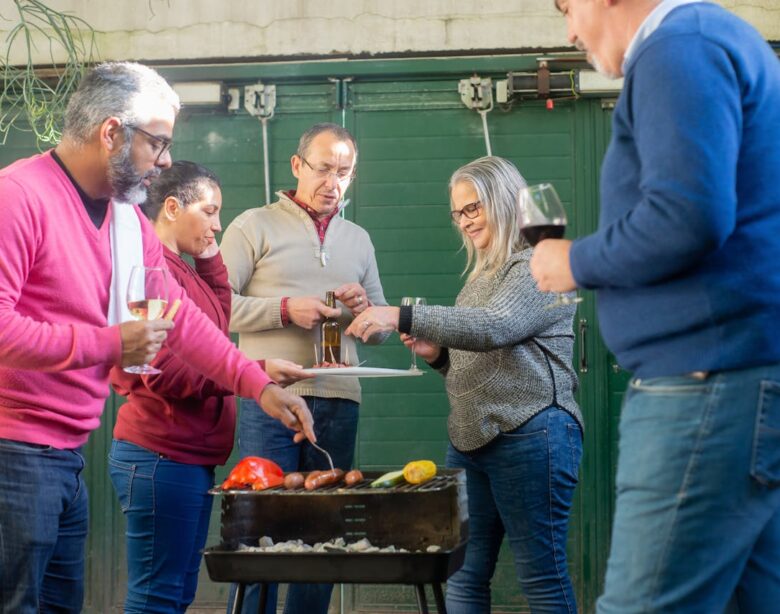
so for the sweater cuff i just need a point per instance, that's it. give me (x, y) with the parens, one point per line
(252, 382)
(208, 265)
(578, 263)
(405, 319)
(442, 360)
(283, 312)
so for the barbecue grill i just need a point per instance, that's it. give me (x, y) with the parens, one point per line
(413, 517)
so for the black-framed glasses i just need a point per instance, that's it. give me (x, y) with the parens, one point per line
(324, 172)
(470, 211)
(159, 144)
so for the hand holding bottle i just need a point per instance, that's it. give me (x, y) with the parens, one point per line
(309, 311)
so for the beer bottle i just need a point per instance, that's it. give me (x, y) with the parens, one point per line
(331, 334)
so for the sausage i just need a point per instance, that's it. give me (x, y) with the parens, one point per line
(353, 477)
(318, 479)
(293, 481)
(309, 477)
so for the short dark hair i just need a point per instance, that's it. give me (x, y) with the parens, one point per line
(184, 181)
(340, 132)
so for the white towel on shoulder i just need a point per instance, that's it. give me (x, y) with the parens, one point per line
(127, 251)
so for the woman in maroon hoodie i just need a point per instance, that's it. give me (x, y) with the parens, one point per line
(177, 425)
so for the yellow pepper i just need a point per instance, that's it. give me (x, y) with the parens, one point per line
(420, 471)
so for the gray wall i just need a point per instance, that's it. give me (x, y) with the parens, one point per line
(195, 29)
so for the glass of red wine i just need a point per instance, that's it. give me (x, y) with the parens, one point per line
(542, 216)
(147, 298)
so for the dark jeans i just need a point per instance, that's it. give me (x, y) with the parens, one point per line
(521, 485)
(335, 424)
(43, 529)
(167, 507)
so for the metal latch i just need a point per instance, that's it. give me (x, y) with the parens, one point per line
(476, 93)
(260, 100)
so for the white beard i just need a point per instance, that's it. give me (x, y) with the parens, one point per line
(601, 70)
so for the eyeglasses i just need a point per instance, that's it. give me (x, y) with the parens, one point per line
(159, 143)
(324, 172)
(470, 211)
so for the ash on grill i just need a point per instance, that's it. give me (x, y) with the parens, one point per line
(338, 544)
(404, 534)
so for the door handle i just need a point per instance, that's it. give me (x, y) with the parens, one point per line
(583, 330)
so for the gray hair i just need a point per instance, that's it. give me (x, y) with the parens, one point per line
(115, 89)
(497, 183)
(341, 133)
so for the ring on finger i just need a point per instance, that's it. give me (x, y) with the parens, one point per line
(360, 300)
(366, 324)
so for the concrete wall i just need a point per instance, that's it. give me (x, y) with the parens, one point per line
(188, 29)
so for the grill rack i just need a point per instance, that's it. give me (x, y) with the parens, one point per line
(410, 516)
(437, 483)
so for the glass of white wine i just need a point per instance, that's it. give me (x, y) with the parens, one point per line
(410, 301)
(147, 298)
(542, 216)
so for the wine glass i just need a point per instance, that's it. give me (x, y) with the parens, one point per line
(542, 216)
(410, 301)
(147, 298)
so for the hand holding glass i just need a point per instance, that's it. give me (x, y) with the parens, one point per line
(147, 298)
(542, 216)
(410, 301)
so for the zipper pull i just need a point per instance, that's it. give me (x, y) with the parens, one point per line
(323, 257)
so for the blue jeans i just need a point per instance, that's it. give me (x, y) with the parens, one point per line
(167, 508)
(698, 505)
(335, 425)
(43, 529)
(521, 484)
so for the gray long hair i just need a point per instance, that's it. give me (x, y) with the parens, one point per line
(497, 183)
(115, 89)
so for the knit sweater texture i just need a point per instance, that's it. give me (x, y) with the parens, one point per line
(686, 260)
(274, 251)
(55, 347)
(509, 357)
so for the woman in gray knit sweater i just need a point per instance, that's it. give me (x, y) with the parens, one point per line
(514, 425)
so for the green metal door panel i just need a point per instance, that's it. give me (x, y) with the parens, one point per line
(412, 134)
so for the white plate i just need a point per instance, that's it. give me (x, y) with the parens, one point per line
(363, 372)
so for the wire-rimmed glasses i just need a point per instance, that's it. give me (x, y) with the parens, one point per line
(325, 173)
(160, 144)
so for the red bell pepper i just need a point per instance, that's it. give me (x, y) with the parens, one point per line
(255, 472)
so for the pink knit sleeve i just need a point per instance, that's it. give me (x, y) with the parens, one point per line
(25, 342)
(197, 341)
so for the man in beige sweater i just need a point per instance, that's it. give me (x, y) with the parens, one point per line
(282, 259)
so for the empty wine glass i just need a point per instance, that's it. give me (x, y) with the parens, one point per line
(410, 301)
(147, 298)
(542, 216)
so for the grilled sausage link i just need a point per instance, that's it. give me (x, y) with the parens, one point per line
(318, 479)
(353, 477)
(293, 481)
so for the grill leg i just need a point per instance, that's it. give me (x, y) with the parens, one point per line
(238, 600)
(263, 598)
(438, 595)
(422, 602)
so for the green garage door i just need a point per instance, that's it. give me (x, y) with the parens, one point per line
(412, 132)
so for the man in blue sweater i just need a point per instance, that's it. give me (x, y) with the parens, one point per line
(686, 265)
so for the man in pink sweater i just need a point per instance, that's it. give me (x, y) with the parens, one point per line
(56, 347)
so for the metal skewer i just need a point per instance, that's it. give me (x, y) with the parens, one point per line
(330, 460)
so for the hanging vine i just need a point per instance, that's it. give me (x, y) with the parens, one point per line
(35, 100)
